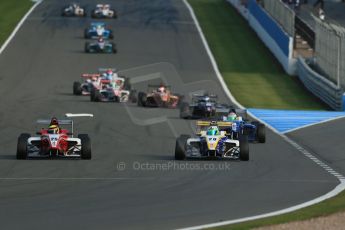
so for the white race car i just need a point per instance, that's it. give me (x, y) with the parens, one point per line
(103, 11)
(73, 10)
(212, 141)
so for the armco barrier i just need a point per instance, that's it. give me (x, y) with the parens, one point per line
(273, 36)
(324, 89)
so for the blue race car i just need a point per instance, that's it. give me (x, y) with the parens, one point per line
(98, 29)
(255, 130)
(100, 46)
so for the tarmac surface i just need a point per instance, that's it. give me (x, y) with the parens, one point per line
(126, 185)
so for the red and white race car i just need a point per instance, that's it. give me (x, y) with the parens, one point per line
(113, 91)
(89, 81)
(54, 141)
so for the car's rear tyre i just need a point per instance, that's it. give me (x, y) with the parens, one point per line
(86, 34)
(92, 94)
(85, 152)
(22, 146)
(77, 88)
(113, 47)
(133, 96)
(261, 133)
(127, 84)
(184, 110)
(87, 47)
(111, 34)
(244, 148)
(97, 96)
(180, 147)
(142, 99)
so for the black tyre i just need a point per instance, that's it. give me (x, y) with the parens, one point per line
(86, 34)
(261, 133)
(142, 99)
(93, 15)
(113, 47)
(92, 94)
(97, 96)
(244, 148)
(184, 110)
(77, 88)
(180, 147)
(85, 152)
(127, 84)
(115, 14)
(111, 34)
(22, 146)
(133, 96)
(87, 47)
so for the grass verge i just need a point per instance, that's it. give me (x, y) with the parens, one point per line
(327, 207)
(251, 72)
(11, 11)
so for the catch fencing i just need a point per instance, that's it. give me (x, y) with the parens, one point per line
(323, 88)
(282, 13)
(330, 50)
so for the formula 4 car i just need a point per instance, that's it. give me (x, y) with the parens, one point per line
(103, 11)
(255, 130)
(73, 10)
(100, 46)
(112, 91)
(212, 141)
(98, 29)
(202, 106)
(159, 96)
(54, 142)
(89, 81)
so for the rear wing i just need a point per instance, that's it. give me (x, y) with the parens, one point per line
(210, 123)
(95, 24)
(204, 95)
(65, 121)
(105, 69)
(90, 75)
(157, 86)
(61, 122)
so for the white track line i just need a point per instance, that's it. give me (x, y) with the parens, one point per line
(318, 123)
(339, 188)
(21, 22)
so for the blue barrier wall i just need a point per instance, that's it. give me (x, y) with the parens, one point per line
(270, 26)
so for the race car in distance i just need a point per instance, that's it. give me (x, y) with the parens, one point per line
(103, 11)
(98, 29)
(89, 81)
(202, 106)
(159, 96)
(255, 130)
(100, 46)
(211, 141)
(55, 142)
(73, 10)
(93, 80)
(112, 91)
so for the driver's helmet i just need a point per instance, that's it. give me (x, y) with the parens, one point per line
(100, 40)
(94, 79)
(53, 129)
(232, 116)
(110, 72)
(212, 131)
(54, 121)
(239, 118)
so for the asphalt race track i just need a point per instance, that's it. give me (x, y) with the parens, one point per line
(154, 38)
